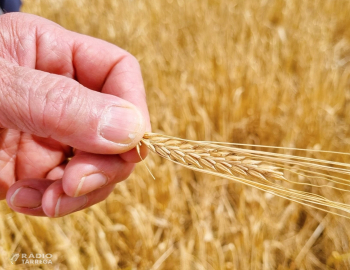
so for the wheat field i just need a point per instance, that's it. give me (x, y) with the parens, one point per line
(256, 72)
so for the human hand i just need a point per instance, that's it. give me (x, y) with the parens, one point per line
(60, 90)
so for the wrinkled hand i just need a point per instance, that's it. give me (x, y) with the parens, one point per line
(62, 93)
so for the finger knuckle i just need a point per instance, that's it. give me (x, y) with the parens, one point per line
(62, 103)
(132, 61)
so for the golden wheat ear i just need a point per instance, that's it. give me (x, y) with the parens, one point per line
(301, 179)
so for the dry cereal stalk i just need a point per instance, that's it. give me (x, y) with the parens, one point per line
(301, 179)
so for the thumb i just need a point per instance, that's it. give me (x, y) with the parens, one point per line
(49, 105)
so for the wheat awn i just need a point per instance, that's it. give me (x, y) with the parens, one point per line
(292, 177)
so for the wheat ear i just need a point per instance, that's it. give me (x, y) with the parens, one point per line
(283, 175)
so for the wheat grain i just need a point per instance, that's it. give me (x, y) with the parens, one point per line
(215, 159)
(267, 171)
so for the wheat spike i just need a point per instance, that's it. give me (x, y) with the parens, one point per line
(264, 170)
(204, 157)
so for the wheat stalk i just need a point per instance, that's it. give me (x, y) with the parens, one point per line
(288, 176)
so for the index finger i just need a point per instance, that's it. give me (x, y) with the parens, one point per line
(116, 71)
(94, 63)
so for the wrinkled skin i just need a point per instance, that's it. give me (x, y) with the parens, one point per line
(56, 89)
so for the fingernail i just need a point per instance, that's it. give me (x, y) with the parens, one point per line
(66, 205)
(26, 197)
(90, 182)
(120, 124)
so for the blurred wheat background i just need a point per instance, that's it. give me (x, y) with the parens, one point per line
(268, 72)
